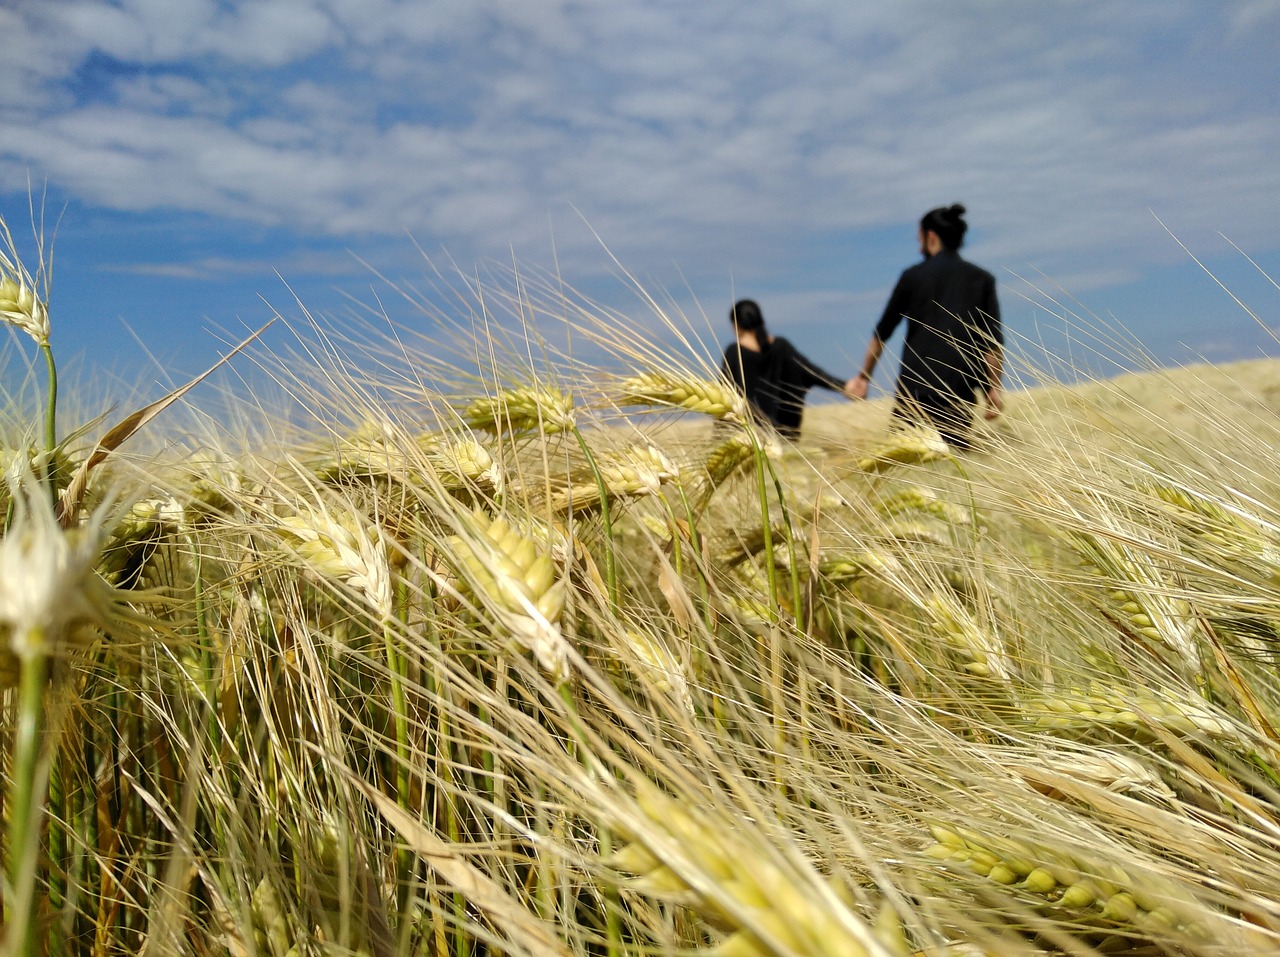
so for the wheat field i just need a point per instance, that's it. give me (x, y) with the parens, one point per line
(557, 659)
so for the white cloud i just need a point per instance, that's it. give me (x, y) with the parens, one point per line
(701, 133)
(1252, 16)
(261, 32)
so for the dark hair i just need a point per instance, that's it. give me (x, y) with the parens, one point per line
(747, 317)
(948, 223)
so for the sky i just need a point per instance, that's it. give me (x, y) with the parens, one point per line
(201, 165)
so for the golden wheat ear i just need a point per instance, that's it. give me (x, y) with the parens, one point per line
(522, 409)
(914, 446)
(665, 390)
(20, 304)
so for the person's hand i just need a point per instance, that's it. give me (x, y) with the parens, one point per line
(995, 403)
(856, 388)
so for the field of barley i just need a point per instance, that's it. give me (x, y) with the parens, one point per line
(554, 659)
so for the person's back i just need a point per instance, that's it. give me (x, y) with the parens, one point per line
(954, 340)
(748, 361)
(770, 371)
(790, 379)
(948, 306)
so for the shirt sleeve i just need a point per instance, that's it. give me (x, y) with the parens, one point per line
(894, 310)
(815, 376)
(989, 309)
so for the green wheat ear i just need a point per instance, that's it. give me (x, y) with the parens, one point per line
(705, 862)
(522, 409)
(510, 569)
(914, 446)
(633, 472)
(340, 546)
(20, 307)
(708, 396)
(463, 463)
(1098, 706)
(1094, 892)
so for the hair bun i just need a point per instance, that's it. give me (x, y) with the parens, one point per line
(948, 222)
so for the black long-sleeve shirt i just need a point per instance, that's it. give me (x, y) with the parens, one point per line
(775, 380)
(953, 322)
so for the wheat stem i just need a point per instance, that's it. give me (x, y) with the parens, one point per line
(50, 417)
(606, 519)
(26, 802)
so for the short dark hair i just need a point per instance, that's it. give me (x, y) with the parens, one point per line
(948, 223)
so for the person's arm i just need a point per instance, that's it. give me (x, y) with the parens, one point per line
(813, 375)
(856, 388)
(894, 312)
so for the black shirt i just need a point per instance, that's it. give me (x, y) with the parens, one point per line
(775, 381)
(953, 322)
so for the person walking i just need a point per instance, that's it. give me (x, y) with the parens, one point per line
(954, 343)
(771, 372)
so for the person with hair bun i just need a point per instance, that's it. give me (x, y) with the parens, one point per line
(770, 371)
(954, 343)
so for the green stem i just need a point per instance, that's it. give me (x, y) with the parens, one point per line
(59, 820)
(399, 706)
(766, 529)
(704, 589)
(797, 602)
(610, 559)
(612, 903)
(26, 801)
(446, 793)
(50, 418)
(209, 664)
(51, 407)
(580, 747)
(773, 653)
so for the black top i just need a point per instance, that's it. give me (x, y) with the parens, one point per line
(775, 381)
(953, 322)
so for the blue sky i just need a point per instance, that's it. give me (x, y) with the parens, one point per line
(206, 161)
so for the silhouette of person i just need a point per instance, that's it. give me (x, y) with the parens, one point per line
(954, 343)
(771, 372)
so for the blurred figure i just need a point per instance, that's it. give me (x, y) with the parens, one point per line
(954, 340)
(770, 372)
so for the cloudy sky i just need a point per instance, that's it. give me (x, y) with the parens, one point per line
(206, 161)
